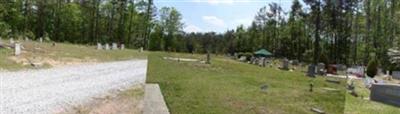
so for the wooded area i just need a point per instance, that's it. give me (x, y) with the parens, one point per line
(331, 31)
(78, 21)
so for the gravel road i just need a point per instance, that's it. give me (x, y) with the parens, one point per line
(57, 89)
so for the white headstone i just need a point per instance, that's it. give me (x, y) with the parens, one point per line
(17, 49)
(114, 46)
(12, 41)
(26, 39)
(141, 49)
(122, 46)
(107, 47)
(41, 40)
(99, 46)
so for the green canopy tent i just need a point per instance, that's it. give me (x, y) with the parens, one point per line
(263, 52)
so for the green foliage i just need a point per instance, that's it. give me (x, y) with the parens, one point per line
(87, 22)
(372, 68)
(324, 59)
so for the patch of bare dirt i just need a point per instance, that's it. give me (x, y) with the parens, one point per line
(119, 104)
(40, 61)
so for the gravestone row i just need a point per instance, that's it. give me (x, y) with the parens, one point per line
(114, 46)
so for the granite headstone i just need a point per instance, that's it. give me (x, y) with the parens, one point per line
(311, 71)
(285, 64)
(386, 93)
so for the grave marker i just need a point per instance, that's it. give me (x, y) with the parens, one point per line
(41, 40)
(386, 93)
(12, 41)
(122, 46)
(321, 68)
(17, 49)
(295, 62)
(114, 46)
(285, 64)
(396, 75)
(311, 71)
(141, 49)
(107, 47)
(99, 46)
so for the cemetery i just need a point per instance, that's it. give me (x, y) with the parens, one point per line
(341, 85)
(228, 85)
(213, 57)
(25, 54)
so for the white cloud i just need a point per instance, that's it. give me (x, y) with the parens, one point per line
(215, 21)
(192, 28)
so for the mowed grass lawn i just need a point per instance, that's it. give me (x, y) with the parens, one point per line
(230, 87)
(64, 52)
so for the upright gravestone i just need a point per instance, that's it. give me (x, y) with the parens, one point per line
(341, 67)
(99, 46)
(285, 64)
(17, 49)
(26, 39)
(311, 71)
(122, 46)
(12, 41)
(114, 46)
(396, 75)
(262, 62)
(107, 47)
(386, 93)
(141, 49)
(295, 62)
(242, 58)
(41, 40)
(321, 68)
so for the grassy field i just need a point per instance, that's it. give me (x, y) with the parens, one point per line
(227, 86)
(62, 54)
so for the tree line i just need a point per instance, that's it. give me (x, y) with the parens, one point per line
(78, 21)
(350, 32)
(331, 31)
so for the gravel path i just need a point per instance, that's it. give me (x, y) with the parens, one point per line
(57, 89)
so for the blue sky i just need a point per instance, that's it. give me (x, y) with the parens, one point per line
(218, 15)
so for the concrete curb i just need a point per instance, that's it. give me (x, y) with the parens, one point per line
(154, 101)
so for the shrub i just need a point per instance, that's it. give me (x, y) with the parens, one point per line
(372, 68)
